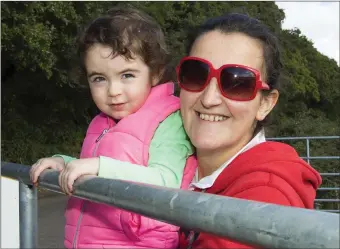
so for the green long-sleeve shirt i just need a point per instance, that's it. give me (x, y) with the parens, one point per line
(169, 149)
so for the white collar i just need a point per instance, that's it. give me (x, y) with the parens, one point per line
(208, 181)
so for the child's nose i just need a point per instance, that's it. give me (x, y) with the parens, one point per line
(114, 89)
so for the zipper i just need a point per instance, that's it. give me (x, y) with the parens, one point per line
(192, 234)
(74, 244)
(98, 139)
(78, 225)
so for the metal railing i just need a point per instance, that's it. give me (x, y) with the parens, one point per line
(259, 224)
(309, 160)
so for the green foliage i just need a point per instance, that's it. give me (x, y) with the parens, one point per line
(45, 112)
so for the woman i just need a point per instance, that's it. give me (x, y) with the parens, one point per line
(229, 85)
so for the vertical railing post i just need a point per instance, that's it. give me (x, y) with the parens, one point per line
(28, 215)
(307, 147)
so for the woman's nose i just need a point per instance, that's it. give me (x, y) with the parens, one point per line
(211, 95)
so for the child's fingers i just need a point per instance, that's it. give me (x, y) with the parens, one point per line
(33, 169)
(39, 170)
(41, 165)
(57, 167)
(32, 172)
(36, 170)
(63, 181)
(71, 178)
(70, 182)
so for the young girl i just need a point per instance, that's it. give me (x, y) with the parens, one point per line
(124, 57)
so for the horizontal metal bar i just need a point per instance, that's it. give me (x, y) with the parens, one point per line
(328, 189)
(330, 174)
(256, 223)
(321, 157)
(304, 138)
(327, 200)
(330, 210)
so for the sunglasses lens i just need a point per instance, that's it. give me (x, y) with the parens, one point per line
(238, 83)
(193, 75)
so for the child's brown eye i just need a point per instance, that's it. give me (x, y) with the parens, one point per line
(127, 75)
(98, 79)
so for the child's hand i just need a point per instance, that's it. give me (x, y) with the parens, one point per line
(75, 169)
(56, 163)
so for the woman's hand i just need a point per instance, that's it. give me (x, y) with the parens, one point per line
(75, 169)
(56, 163)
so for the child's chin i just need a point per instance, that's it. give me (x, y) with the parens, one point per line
(120, 115)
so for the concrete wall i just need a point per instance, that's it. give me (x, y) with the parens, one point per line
(9, 213)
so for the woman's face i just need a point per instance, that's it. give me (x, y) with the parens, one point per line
(199, 109)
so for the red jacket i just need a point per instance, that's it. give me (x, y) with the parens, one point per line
(270, 172)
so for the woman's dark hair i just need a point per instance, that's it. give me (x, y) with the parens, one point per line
(252, 27)
(129, 32)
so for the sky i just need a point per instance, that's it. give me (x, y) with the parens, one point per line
(318, 21)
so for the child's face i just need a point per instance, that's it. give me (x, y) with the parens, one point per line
(118, 86)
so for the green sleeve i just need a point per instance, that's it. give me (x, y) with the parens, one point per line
(169, 150)
(67, 159)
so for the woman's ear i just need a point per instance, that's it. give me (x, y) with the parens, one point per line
(268, 101)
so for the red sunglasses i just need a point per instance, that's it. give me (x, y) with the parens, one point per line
(236, 82)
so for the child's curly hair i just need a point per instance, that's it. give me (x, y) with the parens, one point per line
(129, 32)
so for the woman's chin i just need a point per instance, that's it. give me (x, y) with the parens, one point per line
(206, 143)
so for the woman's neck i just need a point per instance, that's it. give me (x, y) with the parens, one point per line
(210, 160)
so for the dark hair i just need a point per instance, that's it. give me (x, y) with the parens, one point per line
(129, 32)
(252, 27)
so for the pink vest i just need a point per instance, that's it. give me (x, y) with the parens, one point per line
(94, 225)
